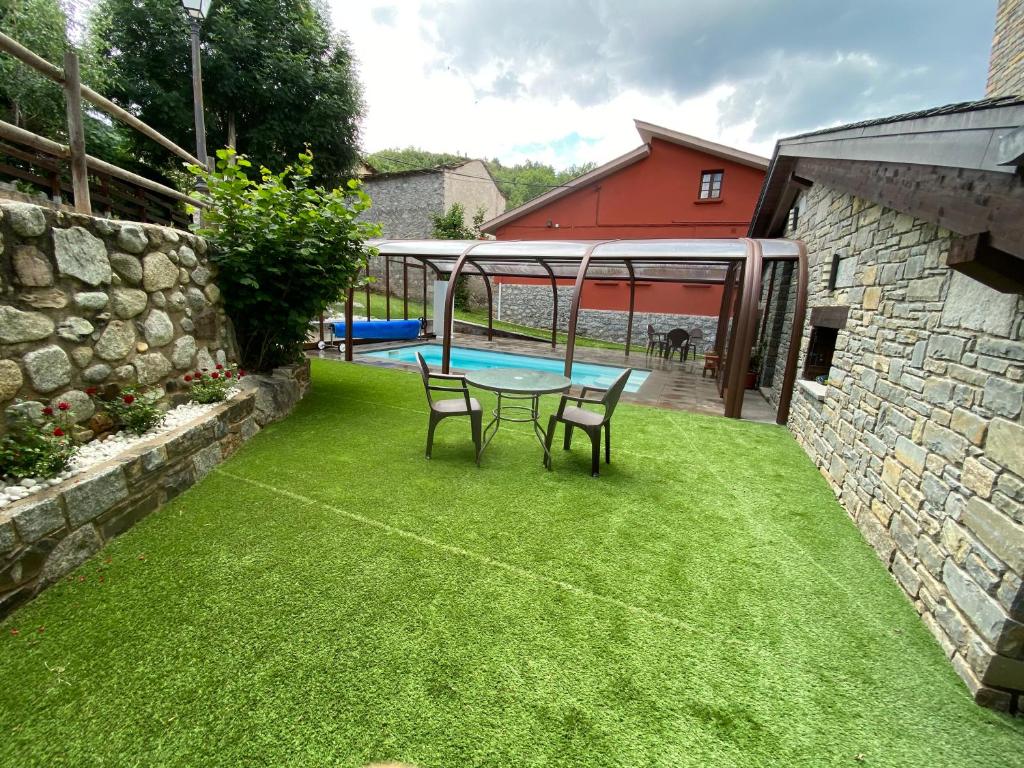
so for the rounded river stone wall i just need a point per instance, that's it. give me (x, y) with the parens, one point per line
(88, 302)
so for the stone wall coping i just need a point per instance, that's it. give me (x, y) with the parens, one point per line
(813, 389)
(127, 457)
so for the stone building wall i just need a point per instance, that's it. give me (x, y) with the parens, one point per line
(471, 185)
(920, 430)
(404, 205)
(531, 305)
(1006, 66)
(89, 302)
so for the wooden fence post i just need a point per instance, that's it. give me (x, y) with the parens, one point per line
(76, 134)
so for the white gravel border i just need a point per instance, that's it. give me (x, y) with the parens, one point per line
(98, 451)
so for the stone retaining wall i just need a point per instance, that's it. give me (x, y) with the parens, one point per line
(45, 536)
(531, 305)
(920, 430)
(87, 302)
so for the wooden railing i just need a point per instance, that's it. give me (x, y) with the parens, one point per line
(62, 169)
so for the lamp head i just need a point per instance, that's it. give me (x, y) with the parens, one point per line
(196, 9)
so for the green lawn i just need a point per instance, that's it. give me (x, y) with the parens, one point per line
(328, 597)
(479, 316)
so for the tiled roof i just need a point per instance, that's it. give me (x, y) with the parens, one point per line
(948, 109)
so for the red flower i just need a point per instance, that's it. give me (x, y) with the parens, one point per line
(58, 432)
(63, 406)
(197, 374)
(214, 375)
(48, 411)
(241, 372)
(187, 377)
(220, 367)
(128, 399)
(227, 374)
(90, 391)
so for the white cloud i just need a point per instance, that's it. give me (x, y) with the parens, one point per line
(412, 100)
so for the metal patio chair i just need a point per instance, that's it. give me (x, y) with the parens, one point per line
(679, 339)
(655, 341)
(450, 406)
(696, 341)
(591, 422)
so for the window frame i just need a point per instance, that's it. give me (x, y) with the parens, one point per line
(709, 178)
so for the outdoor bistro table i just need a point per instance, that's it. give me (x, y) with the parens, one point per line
(517, 384)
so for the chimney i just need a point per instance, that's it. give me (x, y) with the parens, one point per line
(1006, 67)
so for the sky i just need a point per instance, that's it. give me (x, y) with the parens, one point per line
(560, 81)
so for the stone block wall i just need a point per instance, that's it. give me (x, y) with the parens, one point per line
(44, 537)
(88, 302)
(1006, 66)
(405, 205)
(920, 431)
(531, 305)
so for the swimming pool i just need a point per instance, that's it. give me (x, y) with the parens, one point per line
(466, 359)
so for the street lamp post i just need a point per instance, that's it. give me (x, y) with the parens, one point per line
(197, 10)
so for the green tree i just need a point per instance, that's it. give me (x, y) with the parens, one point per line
(275, 77)
(519, 183)
(284, 249)
(28, 99)
(410, 158)
(451, 225)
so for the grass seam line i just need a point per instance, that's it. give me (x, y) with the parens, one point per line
(516, 570)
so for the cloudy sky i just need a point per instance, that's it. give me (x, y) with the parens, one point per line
(560, 81)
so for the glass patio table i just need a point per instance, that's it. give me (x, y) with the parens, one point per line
(517, 385)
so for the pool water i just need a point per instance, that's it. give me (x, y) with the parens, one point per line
(465, 359)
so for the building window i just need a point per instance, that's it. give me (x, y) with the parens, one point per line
(711, 185)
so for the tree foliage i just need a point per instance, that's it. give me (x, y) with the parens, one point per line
(273, 70)
(451, 225)
(28, 99)
(284, 249)
(519, 183)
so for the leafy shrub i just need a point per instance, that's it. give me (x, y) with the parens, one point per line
(284, 250)
(212, 386)
(31, 449)
(134, 410)
(452, 226)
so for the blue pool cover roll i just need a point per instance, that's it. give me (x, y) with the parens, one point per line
(380, 329)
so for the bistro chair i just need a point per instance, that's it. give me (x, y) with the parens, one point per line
(696, 340)
(591, 422)
(450, 406)
(655, 341)
(679, 339)
(711, 363)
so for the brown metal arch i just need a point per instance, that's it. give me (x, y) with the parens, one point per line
(632, 303)
(554, 301)
(490, 300)
(744, 329)
(796, 337)
(574, 310)
(449, 307)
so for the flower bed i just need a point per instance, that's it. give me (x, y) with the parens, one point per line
(99, 451)
(50, 529)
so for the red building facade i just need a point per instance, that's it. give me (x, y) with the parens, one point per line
(673, 186)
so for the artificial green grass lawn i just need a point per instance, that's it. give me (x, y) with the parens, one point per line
(329, 597)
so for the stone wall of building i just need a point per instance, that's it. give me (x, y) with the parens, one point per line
(472, 186)
(920, 431)
(86, 302)
(44, 537)
(404, 205)
(1006, 66)
(531, 305)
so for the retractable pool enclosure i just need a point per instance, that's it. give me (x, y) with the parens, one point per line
(737, 264)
